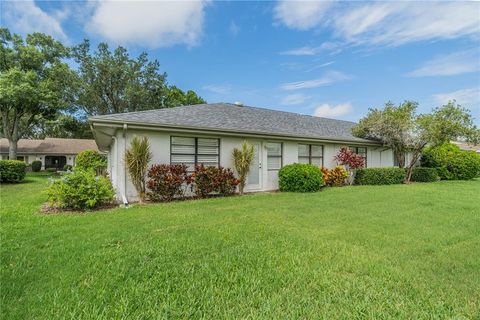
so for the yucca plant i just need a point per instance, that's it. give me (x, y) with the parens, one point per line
(136, 159)
(242, 159)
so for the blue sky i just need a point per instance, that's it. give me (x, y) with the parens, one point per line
(331, 59)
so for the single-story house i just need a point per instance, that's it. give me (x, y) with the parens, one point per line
(53, 152)
(467, 146)
(208, 133)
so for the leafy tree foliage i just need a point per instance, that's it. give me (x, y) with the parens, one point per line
(64, 126)
(405, 131)
(35, 83)
(112, 82)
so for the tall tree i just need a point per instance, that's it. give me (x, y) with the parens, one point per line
(35, 82)
(63, 126)
(112, 82)
(405, 131)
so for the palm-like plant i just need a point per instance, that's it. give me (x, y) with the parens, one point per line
(136, 159)
(242, 159)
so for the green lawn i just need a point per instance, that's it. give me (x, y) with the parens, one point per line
(402, 251)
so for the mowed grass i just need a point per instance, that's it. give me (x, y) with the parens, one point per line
(402, 251)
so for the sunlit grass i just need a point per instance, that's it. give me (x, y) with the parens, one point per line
(401, 251)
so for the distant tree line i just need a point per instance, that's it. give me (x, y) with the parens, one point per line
(48, 89)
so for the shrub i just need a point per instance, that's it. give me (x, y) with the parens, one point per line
(351, 160)
(67, 167)
(242, 159)
(451, 162)
(36, 165)
(12, 170)
(420, 174)
(376, 176)
(210, 180)
(90, 160)
(80, 190)
(167, 181)
(299, 177)
(136, 159)
(334, 177)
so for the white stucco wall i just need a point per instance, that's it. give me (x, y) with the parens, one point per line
(160, 146)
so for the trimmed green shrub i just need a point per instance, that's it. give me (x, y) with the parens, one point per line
(421, 174)
(67, 167)
(80, 190)
(90, 160)
(36, 165)
(451, 162)
(378, 176)
(300, 177)
(12, 170)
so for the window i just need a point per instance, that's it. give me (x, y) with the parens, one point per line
(274, 155)
(309, 153)
(361, 151)
(194, 151)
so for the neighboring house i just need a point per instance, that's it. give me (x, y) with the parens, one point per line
(208, 133)
(467, 146)
(53, 152)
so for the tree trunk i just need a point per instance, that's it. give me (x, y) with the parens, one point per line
(12, 149)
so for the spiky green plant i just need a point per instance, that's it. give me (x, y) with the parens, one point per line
(136, 159)
(242, 159)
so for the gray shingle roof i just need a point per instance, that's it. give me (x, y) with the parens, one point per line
(50, 146)
(244, 119)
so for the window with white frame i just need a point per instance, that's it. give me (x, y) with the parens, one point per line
(194, 151)
(361, 151)
(310, 153)
(274, 155)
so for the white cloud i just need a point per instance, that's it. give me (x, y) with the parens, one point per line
(149, 23)
(234, 28)
(303, 51)
(385, 23)
(328, 78)
(26, 17)
(333, 111)
(301, 15)
(469, 98)
(294, 99)
(456, 63)
(218, 89)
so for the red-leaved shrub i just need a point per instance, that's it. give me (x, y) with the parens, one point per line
(214, 180)
(347, 157)
(167, 181)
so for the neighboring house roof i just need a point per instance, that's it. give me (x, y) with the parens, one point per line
(50, 146)
(467, 146)
(239, 119)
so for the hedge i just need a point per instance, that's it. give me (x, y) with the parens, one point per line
(379, 176)
(12, 170)
(451, 162)
(421, 174)
(36, 165)
(300, 177)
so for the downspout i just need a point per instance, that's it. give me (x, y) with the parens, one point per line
(124, 195)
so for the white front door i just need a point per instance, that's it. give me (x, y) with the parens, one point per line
(254, 179)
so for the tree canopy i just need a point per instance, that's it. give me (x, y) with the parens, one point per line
(112, 82)
(48, 89)
(35, 83)
(403, 130)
